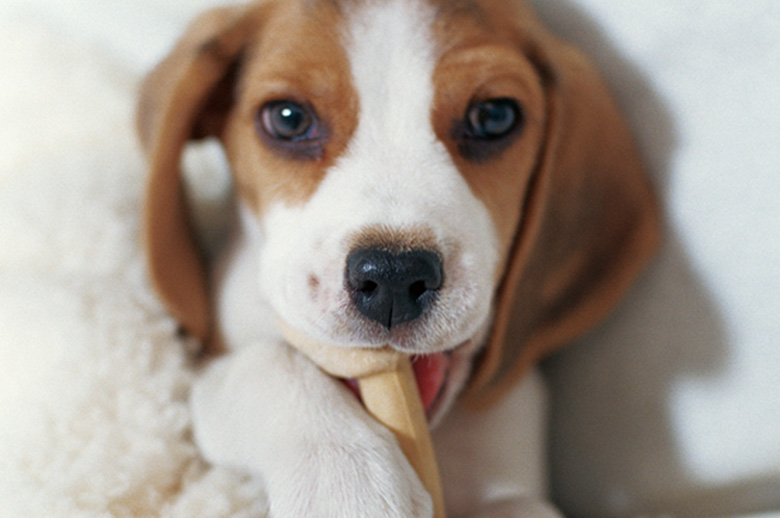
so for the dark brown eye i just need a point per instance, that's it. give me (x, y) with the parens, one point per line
(488, 128)
(292, 130)
(493, 119)
(288, 121)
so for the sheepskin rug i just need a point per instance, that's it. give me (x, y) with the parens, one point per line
(93, 377)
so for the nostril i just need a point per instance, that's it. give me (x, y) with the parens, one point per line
(368, 288)
(417, 290)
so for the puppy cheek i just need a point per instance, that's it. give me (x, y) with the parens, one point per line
(279, 271)
(303, 286)
(482, 267)
(465, 306)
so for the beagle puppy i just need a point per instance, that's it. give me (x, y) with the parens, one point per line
(443, 176)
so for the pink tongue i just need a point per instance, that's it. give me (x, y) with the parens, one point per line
(430, 371)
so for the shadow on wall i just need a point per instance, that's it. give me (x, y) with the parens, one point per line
(613, 446)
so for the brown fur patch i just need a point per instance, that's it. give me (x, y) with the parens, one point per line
(299, 57)
(394, 239)
(482, 60)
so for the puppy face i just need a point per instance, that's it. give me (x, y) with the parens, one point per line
(381, 139)
(430, 174)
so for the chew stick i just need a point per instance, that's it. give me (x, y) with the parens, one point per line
(390, 394)
(393, 399)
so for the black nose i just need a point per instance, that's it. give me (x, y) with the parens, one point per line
(393, 287)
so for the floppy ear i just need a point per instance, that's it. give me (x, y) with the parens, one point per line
(589, 225)
(180, 100)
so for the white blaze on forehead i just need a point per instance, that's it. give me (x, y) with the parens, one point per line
(395, 156)
(393, 56)
(395, 173)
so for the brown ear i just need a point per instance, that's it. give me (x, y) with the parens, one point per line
(174, 107)
(589, 225)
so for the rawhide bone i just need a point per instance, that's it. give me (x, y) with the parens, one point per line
(389, 392)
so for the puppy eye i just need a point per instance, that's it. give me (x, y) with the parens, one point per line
(488, 128)
(493, 119)
(288, 121)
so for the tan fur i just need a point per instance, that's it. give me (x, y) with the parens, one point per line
(184, 98)
(588, 226)
(394, 239)
(172, 98)
(484, 70)
(270, 74)
(571, 206)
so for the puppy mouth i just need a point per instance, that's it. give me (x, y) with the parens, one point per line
(431, 371)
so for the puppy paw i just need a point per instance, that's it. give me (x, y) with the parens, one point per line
(354, 477)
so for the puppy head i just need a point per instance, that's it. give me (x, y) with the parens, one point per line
(422, 175)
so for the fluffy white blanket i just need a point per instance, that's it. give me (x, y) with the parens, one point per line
(94, 380)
